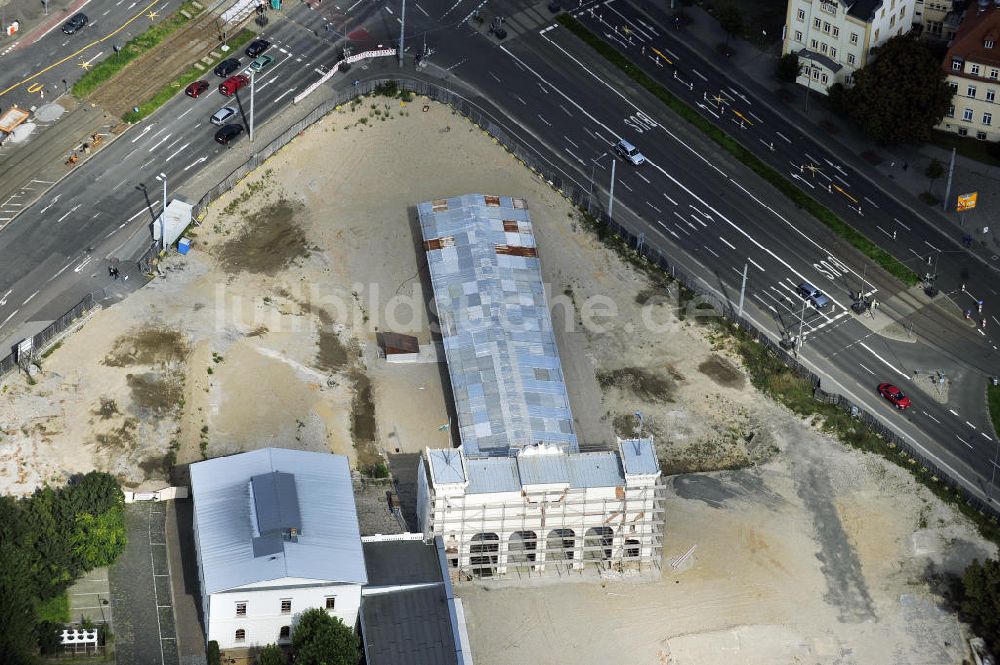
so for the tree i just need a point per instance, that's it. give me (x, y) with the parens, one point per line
(981, 600)
(787, 69)
(271, 655)
(99, 539)
(320, 639)
(933, 171)
(212, 654)
(731, 19)
(901, 95)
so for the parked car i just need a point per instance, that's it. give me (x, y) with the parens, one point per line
(229, 87)
(813, 295)
(894, 395)
(75, 22)
(227, 67)
(261, 62)
(227, 133)
(257, 47)
(196, 88)
(628, 151)
(222, 115)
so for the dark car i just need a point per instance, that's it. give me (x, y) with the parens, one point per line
(228, 133)
(894, 395)
(227, 67)
(75, 22)
(196, 88)
(257, 47)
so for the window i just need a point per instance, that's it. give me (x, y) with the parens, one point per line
(991, 95)
(987, 119)
(967, 115)
(892, 21)
(802, 14)
(851, 59)
(286, 606)
(284, 632)
(798, 36)
(962, 131)
(816, 74)
(241, 635)
(988, 43)
(954, 88)
(902, 13)
(854, 38)
(241, 609)
(876, 35)
(813, 44)
(971, 91)
(331, 602)
(994, 73)
(836, 31)
(981, 136)
(974, 70)
(826, 27)
(833, 52)
(951, 111)
(822, 47)
(825, 78)
(956, 64)
(817, 23)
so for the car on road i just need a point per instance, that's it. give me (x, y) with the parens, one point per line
(813, 295)
(261, 62)
(75, 22)
(196, 88)
(628, 151)
(894, 395)
(227, 67)
(257, 47)
(222, 115)
(227, 133)
(229, 87)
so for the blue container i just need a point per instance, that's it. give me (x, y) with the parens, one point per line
(184, 245)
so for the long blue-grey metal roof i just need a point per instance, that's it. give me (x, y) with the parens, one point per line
(326, 543)
(446, 466)
(492, 475)
(639, 456)
(506, 377)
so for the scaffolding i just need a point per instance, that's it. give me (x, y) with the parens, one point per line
(562, 531)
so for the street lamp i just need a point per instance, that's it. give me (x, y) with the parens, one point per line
(163, 213)
(252, 72)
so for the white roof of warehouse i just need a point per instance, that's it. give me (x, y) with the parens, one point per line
(318, 501)
(505, 372)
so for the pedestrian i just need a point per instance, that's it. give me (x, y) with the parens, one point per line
(111, 271)
(114, 273)
(892, 165)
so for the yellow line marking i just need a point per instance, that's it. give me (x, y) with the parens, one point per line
(73, 55)
(35, 87)
(743, 118)
(669, 61)
(842, 191)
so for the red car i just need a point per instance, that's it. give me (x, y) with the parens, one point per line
(229, 87)
(894, 395)
(196, 88)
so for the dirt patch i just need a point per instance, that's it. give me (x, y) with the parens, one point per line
(157, 394)
(363, 428)
(147, 346)
(107, 409)
(331, 353)
(269, 242)
(120, 439)
(722, 372)
(642, 383)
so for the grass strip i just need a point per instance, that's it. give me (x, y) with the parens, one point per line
(164, 94)
(993, 400)
(861, 242)
(135, 47)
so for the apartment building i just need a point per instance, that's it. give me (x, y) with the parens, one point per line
(835, 38)
(973, 69)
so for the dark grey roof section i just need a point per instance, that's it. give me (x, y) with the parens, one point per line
(864, 9)
(276, 507)
(408, 627)
(395, 562)
(820, 60)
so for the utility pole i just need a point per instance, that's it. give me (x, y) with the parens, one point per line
(611, 201)
(402, 31)
(947, 191)
(163, 213)
(743, 289)
(252, 78)
(802, 320)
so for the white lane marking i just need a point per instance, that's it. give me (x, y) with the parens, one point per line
(570, 141)
(654, 207)
(953, 412)
(83, 264)
(195, 162)
(565, 110)
(963, 441)
(71, 211)
(389, 10)
(757, 265)
(901, 224)
(727, 243)
(353, 6)
(932, 246)
(870, 201)
(61, 270)
(28, 299)
(284, 94)
(145, 130)
(544, 120)
(622, 183)
(867, 370)
(3, 300)
(51, 203)
(711, 251)
(141, 210)
(699, 74)
(987, 436)
(931, 417)
(179, 151)
(884, 361)
(9, 317)
(669, 199)
(160, 142)
(970, 424)
(573, 155)
(644, 178)
(784, 137)
(422, 9)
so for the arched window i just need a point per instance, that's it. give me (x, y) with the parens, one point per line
(284, 632)
(241, 634)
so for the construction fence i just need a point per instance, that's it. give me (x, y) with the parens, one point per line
(44, 338)
(582, 196)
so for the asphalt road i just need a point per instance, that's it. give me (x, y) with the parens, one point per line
(709, 214)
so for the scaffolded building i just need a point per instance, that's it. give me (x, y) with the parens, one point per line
(518, 495)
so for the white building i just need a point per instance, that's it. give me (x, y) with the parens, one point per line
(544, 509)
(835, 38)
(276, 533)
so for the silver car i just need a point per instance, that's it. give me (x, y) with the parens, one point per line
(628, 151)
(814, 295)
(223, 115)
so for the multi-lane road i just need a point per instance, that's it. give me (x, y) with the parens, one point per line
(711, 215)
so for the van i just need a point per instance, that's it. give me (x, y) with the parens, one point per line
(229, 87)
(813, 295)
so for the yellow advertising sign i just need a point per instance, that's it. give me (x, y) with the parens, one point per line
(966, 201)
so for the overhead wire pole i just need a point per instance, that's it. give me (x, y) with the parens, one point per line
(743, 289)
(252, 78)
(402, 31)
(947, 191)
(611, 200)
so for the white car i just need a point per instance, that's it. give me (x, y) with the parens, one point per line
(223, 115)
(629, 152)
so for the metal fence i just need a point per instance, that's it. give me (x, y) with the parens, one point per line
(581, 195)
(54, 329)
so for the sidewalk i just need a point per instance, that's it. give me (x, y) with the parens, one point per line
(900, 173)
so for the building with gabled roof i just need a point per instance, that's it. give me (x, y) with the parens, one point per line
(276, 533)
(972, 65)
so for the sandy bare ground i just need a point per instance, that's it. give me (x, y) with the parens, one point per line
(803, 551)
